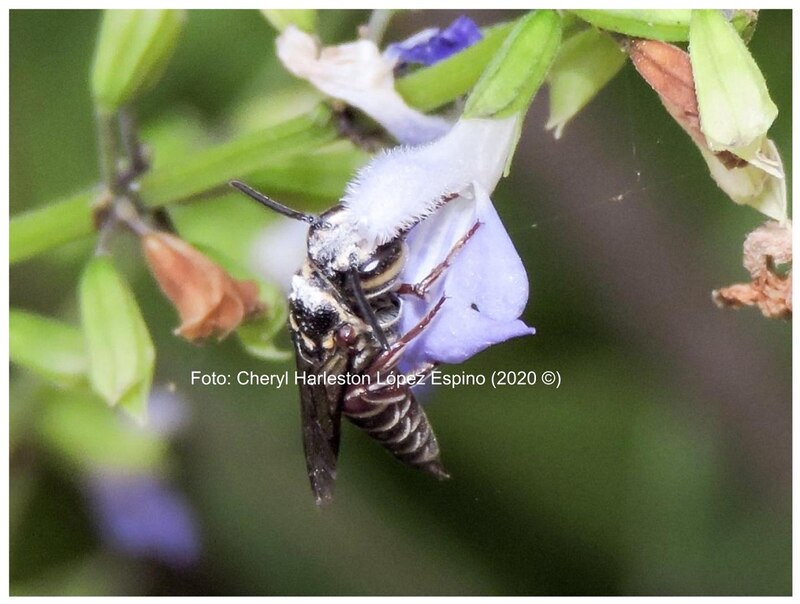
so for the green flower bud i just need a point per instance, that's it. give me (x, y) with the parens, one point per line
(514, 75)
(735, 107)
(121, 353)
(585, 63)
(133, 49)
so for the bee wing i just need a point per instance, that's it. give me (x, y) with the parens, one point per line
(321, 415)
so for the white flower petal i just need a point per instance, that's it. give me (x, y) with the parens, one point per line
(358, 74)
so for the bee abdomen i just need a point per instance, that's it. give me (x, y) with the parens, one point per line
(402, 427)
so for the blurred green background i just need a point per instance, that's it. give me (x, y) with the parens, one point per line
(660, 466)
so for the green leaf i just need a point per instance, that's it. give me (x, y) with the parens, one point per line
(586, 62)
(305, 20)
(90, 435)
(735, 107)
(197, 173)
(133, 49)
(214, 167)
(49, 226)
(432, 87)
(49, 347)
(657, 24)
(510, 81)
(121, 354)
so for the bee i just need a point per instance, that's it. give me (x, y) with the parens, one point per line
(344, 313)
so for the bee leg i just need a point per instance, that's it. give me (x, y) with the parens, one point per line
(388, 359)
(367, 313)
(421, 288)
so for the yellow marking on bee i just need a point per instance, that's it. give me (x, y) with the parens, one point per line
(310, 344)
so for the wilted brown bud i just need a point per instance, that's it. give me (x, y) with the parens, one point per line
(769, 246)
(668, 70)
(209, 301)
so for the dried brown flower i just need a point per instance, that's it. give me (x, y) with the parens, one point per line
(209, 301)
(766, 248)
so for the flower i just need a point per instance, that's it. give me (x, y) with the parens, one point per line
(754, 178)
(209, 301)
(432, 45)
(359, 75)
(485, 286)
(766, 248)
(141, 515)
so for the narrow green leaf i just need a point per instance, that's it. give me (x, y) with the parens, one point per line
(432, 87)
(49, 347)
(49, 226)
(305, 19)
(586, 62)
(80, 429)
(54, 224)
(187, 177)
(735, 107)
(121, 354)
(133, 49)
(657, 24)
(510, 81)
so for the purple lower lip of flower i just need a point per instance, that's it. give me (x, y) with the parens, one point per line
(437, 45)
(140, 515)
(486, 286)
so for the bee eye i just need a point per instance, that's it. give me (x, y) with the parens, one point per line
(346, 335)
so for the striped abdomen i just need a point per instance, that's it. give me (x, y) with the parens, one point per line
(394, 418)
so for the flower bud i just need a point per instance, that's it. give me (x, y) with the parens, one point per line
(121, 353)
(513, 76)
(133, 49)
(209, 301)
(585, 63)
(734, 105)
(758, 181)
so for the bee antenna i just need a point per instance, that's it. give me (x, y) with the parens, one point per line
(272, 204)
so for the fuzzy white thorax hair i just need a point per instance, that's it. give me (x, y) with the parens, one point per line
(401, 187)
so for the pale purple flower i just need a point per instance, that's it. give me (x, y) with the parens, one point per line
(433, 45)
(486, 287)
(141, 515)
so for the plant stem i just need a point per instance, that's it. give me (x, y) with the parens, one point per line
(378, 24)
(107, 149)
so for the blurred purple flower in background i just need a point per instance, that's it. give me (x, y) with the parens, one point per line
(140, 515)
(433, 45)
(137, 512)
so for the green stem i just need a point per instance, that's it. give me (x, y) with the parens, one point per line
(378, 23)
(42, 229)
(107, 149)
(57, 223)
